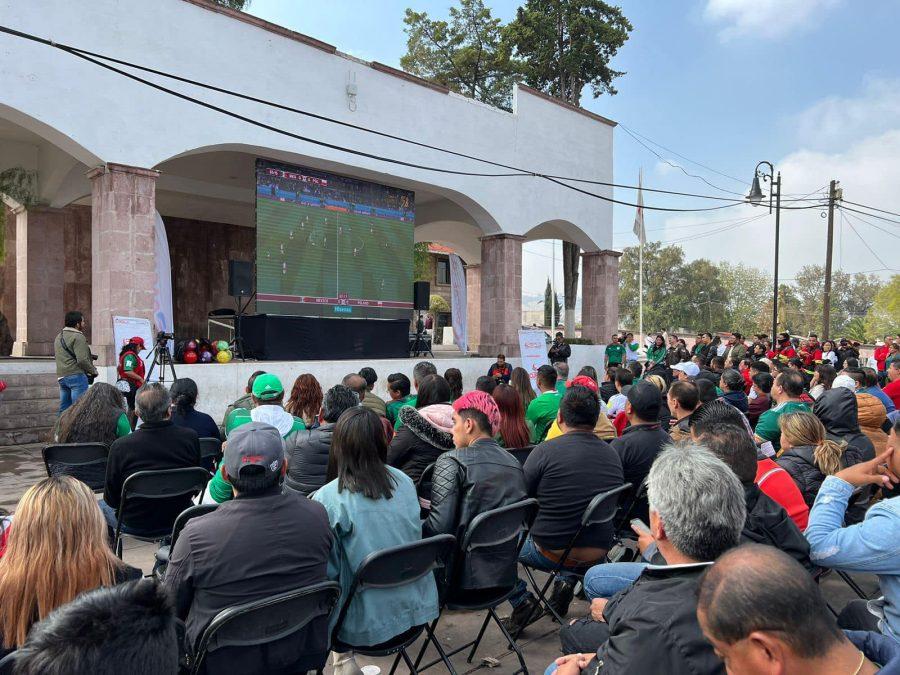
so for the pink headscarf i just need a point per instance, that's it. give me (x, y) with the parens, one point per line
(481, 402)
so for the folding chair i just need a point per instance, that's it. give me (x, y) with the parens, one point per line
(522, 453)
(210, 453)
(267, 621)
(601, 509)
(84, 461)
(392, 568)
(507, 525)
(625, 512)
(162, 553)
(162, 484)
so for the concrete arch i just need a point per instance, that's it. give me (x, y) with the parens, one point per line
(564, 230)
(50, 134)
(464, 238)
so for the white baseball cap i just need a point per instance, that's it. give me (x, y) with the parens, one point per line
(689, 368)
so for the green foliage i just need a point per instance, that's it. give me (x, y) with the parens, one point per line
(567, 44)
(548, 318)
(421, 262)
(883, 317)
(233, 4)
(437, 304)
(579, 341)
(20, 185)
(851, 297)
(856, 329)
(464, 54)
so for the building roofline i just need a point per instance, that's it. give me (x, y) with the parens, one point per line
(564, 104)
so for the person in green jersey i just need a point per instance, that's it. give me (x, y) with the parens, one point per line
(398, 390)
(421, 370)
(542, 411)
(786, 392)
(615, 352)
(562, 376)
(656, 353)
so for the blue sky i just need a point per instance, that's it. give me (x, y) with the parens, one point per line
(811, 85)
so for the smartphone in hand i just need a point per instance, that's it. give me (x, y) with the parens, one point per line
(640, 526)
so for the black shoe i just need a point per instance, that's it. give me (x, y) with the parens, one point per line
(561, 597)
(524, 614)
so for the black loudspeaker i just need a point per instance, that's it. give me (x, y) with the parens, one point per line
(240, 278)
(421, 295)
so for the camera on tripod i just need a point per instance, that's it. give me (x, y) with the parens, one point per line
(162, 336)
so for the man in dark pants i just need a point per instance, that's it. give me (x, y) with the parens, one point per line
(74, 363)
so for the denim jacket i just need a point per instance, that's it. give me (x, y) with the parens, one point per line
(872, 546)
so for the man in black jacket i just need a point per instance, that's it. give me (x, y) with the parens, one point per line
(476, 477)
(696, 514)
(308, 462)
(560, 351)
(157, 444)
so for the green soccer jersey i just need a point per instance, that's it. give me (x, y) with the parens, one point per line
(542, 412)
(767, 427)
(393, 407)
(615, 354)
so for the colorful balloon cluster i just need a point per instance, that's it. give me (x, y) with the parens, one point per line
(200, 350)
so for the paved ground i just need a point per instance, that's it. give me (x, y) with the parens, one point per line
(20, 467)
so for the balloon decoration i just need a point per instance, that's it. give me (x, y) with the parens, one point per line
(206, 356)
(224, 356)
(190, 357)
(222, 346)
(201, 350)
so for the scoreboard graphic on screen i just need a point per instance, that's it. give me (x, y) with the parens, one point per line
(332, 246)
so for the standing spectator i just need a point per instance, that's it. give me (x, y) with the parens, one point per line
(424, 432)
(74, 363)
(543, 409)
(882, 349)
(565, 474)
(58, 547)
(682, 399)
(808, 455)
(282, 543)
(522, 382)
(308, 457)
(305, 400)
(892, 388)
(244, 401)
(157, 444)
(677, 351)
(455, 380)
(786, 392)
(513, 430)
(97, 417)
(756, 606)
(631, 348)
(735, 348)
(371, 507)
(476, 477)
(398, 389)
(559, 350)
(614, 355)
(871, 546)
(370, 400)
(759, 400)
(501, 370)
(184, 397)
(130, 370)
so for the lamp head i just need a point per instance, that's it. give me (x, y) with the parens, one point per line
(756, 195)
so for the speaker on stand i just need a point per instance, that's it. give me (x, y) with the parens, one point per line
(421, 300)
(240, 286)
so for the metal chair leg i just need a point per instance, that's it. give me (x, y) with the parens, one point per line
(396, 663)
(428, 639)
(478, 639)
(852, 584)
(509, 638)
(440, 650)
(409, 663)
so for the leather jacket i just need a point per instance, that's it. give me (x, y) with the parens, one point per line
(466, 483)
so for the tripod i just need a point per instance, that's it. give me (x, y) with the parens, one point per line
(237, 344)
(421, 345)
(162, 357)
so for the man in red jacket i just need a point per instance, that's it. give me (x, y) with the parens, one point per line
(892, 388)
(812, 353)
(783, 350)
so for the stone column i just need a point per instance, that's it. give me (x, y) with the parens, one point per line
(473, 305)
(123, 208)
(40, 279)
(501, 294)
(599, 295)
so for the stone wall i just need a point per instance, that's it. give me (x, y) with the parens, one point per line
(8, 283)
(200, 251)
(77, 246)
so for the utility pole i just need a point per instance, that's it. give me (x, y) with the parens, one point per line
(829, 247)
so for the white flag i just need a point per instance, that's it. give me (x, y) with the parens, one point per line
(639, 216)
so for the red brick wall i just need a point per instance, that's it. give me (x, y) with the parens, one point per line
(200, 251)
(77, 247)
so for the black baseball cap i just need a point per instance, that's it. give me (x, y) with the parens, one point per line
(645, 400)
(254, 444)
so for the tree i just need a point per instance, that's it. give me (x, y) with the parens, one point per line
(233, 4)
(563, 46)
(548, 293)
(883, 317)
(421, 262)
(464, 54)
(746, 290)
(664, 287)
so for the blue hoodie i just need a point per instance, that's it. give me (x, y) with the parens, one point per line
(878, 648)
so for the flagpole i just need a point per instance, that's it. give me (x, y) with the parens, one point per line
(553, 317)
(641, 266)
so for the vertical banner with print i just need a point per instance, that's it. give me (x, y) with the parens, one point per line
(163, 316)
(458, 303)
(533, 348)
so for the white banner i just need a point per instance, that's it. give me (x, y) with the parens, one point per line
(533, 348)
(126, 327)
(458, 303)
(163, 316)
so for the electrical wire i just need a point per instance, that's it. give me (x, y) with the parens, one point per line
(871, 208)
(860, 219)
(720, 230)
(93, 57)
(871, 215)
(866, 244)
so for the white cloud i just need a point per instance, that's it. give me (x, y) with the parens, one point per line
(664, 168)
(764, 18)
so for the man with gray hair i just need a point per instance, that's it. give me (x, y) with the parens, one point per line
(157, 444)
(697, 513)
(562, 376)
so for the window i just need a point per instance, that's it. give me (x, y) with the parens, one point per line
(442, 271)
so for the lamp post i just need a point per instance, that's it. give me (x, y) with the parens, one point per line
(755, 198)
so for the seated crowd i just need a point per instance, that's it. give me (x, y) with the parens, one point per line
(745, 472)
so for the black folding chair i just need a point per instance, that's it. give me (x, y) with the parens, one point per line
(161, 484)
(627, 509)
(162, 553)
(8, 664)
(84, 461)
(269, 620)
(507, 525)
(392, 568)
(522, 453)
(602, 509)
(210, 453)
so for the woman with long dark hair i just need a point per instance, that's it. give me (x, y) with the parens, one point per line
(514, 429)
(305, 400)
(425, 431)
(522, 383)
(454, 379)
(184, 398)
(823, 378)
(371, 507)
(96, 417)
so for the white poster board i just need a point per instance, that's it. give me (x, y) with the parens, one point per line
(458, 304)
(533, 348)
(125, 327)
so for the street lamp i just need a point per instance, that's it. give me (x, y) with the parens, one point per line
(755, 198)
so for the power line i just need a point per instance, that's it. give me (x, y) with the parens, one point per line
(90, 57)
(871, 208)
(866, 244)
(860, 219)
(871, 215)
(720, 230)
